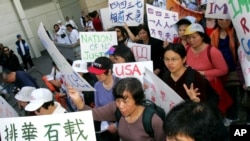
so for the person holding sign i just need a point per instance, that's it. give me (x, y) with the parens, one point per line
(129, 96)
(185, 81)
(102, 68)
(123, 54)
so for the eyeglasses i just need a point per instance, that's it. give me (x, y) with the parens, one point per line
(171, 60)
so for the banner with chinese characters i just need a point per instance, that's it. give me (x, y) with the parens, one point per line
(76, 126)
(160, 23)
(141, 52)
(217, 9)
(239, 13)
(174, 5)
(6, 110)
(159, 92)
(68, 74)
(135, 69)
(126, 11)
(95, 44)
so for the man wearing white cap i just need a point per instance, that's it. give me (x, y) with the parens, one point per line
(42, 103)
(23, 96)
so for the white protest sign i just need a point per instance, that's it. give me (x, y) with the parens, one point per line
(160, 23)
(95, 44)
(141, 52)
(217, 9)
(159, 92)
(135, 69)
(70, 126)
(239, 14)
(106, 20)
(69, 75)
(6, 110)
(126, 11)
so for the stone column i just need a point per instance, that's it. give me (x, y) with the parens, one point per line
(29, 37)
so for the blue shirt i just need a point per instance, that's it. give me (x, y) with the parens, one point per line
(24, 79)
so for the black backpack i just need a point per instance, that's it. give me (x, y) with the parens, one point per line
(150, 109)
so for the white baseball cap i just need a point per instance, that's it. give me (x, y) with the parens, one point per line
(58, 22)
(38, 98)
(24, 94)
(80, 66)
(194, 27)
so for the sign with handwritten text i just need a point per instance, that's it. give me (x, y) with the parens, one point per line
(159, 92)
(69, 127)
(95, 44)
(160, 23)
(135, 69)
(126, 11)
(239, 13)
(6, 110)
(174, 5)
(141, 52)
(217, 9)
(69, 75)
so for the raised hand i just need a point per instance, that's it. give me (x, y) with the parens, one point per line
(192, 92)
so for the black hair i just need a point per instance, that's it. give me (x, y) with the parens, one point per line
(69, 25)
(143, 27)
(123, 31)
(47, 104)
(125, 52)
(133, 86)
(183, 22)
(177, 48)
(205, 37)
(195, 120)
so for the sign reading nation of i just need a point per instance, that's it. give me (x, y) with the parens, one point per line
(160, 23)
(77, 126)
(95, 44)
(126, 11)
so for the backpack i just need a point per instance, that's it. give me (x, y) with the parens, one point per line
(150, 109)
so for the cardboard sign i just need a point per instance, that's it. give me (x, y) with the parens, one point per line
(135, 69)
(174, 5)
(69, 127)
(217, 9)
(126, 11)
(6, 110)
(70, 76)
(141, 52)
(95, 44)
(159, 92)
(160, 23)
(239, 15)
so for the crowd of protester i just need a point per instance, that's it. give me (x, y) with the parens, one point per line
(197, 65)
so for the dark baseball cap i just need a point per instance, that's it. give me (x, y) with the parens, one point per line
(100, 65)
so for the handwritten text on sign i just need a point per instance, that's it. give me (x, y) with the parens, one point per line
(217, 9)
(160, 23)
(141, 52)
(70, 76)
(95, 44)
(135, 69)
(69, 127)
(159, 92)
(239, 11)
(126, 11)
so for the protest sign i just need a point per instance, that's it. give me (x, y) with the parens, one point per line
(239, 12)
(69, 75)
(159, 92)
(174, 5)
(6, 110)
(95, 44)
(126, 11)
(69, 127)
(141, 52)
(217, 9)
(135, 69)
(106, 20)
(160, 23)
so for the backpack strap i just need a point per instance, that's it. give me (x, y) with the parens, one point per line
(209, 54)
(147, 121)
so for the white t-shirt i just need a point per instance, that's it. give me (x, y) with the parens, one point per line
(59, 109)
(74, 36)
